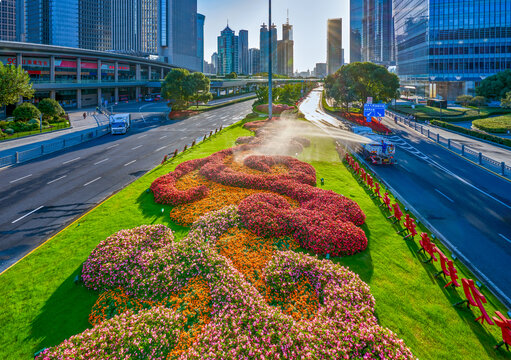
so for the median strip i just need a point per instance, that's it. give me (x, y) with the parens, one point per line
(90, 182)
(21, 178)
(30, 213)
(60, 178)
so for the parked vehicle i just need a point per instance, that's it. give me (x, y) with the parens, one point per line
(378, 150)
(148, 98)
(123, 98)
(120, 123)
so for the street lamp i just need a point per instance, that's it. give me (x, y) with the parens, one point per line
(270, 97)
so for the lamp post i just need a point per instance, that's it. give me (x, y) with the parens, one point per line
(270, 97)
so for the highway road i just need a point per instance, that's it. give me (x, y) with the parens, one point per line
(465, 205)
(40, 197)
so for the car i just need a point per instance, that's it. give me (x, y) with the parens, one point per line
(123, 98)
(148, 98)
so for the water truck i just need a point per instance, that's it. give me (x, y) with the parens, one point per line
(120, 123)
(379, 150)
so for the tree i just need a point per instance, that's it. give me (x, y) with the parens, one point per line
(181, 87)
(464, 99)
(262, 94)
(478, 101)
(50, 109)
(232, 75)
(506, 101)
(357, 81)
(495, 87)
(26, 111)
(198, 85)
(14, 82)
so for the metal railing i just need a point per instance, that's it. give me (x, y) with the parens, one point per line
(478, 157)
(53, 146)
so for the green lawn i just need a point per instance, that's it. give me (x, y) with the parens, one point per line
(423, 112)
(500, 124)
(54, 127)
(41, 305)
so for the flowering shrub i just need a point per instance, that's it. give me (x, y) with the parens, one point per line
(359, 119)
(276, 108)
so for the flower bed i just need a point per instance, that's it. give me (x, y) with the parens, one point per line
(359, 119)
(276, 108)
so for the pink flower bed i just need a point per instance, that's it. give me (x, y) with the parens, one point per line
(276, 109)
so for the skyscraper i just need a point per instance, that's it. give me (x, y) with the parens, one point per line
(446, 55)
(200, 38)
(356, 29)
(53, 22)
(243, 52)
(285, 51)
(178, 33)
(214, 62)
(254, 56)
(378, 36)
(334, 45)
(228, 55)
(274, 50)
(8, 20)
(264, 47)
(95, 24)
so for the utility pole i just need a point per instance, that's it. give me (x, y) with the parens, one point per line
(270, 82)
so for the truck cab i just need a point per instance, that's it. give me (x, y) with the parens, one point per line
(120, 123)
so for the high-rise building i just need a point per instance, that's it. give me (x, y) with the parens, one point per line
(200, 39)
(320, 70)
(264, 47)
(243, 52)
(446, 48)
(8, 20)
(95, 24)
(334, 45)
(285, 51)
(53, 22)
(378, 36)
(254, 56)
(214, 62)
(356, 29)
(178, 33)
(228, 55)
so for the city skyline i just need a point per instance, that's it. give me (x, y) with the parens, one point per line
(308, 26)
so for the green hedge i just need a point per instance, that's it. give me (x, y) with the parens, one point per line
(477, 134)
(501, 124)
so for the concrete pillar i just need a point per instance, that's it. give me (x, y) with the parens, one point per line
(137, 92)
(162, 75)
(116, 72)
(99, 71)
(100, 94)
(149, 71)
(19, 62)
(52, 69)
(79, 98)
(78, 70)
(52, 94)
(116, 94)
(138, 73)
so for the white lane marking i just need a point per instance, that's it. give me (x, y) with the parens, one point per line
(60, 178)
(137, 147)
(143, 136)
(24, 216)
(159, 149)
(184, 137)
(21, 178)
(69, 161)
(505, 238)
(445, 196)
(90, 182)
(102, 161)
(163, 137)
(112, 146)
(131, 162)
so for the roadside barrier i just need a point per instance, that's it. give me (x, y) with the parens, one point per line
(473, 296)
(499, 167)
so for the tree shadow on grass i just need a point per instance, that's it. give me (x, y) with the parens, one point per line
(63, 315)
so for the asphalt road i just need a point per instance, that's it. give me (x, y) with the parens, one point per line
(466, 206)
(40, 197)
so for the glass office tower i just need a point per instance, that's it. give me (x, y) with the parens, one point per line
(356, 29)
(446, 47)
(8, 20)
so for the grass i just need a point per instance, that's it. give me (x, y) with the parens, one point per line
(500, 124)
(423, 112)
(41, 306)
(217, 106)
(54, 127)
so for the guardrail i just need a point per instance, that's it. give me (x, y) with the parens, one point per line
(53, 146)
(478, 157)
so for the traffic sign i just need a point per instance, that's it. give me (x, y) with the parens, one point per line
(374, 110)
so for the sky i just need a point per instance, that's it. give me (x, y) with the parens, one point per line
(309, 20)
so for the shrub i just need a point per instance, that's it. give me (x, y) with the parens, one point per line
(500, 124)
(477, 134)
(9, 131)
(50, 109)
(25, 112)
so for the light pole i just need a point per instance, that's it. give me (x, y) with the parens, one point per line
(270, 97)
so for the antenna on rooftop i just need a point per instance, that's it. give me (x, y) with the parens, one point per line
(288, 16)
